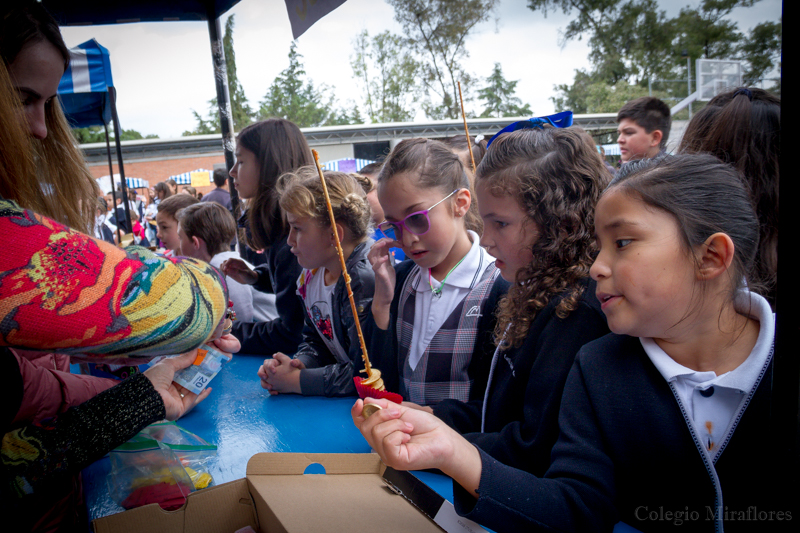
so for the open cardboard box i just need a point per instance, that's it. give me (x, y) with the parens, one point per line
(356, 493)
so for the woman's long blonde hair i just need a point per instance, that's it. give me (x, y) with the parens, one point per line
(48, 176)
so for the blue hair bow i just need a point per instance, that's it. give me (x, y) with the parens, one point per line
(558, 120)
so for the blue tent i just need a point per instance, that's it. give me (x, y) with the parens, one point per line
(84, 87)
(86, 91)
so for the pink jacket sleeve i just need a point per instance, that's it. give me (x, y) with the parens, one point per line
(49, 392)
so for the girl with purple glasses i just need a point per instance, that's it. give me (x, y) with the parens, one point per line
(430, 330)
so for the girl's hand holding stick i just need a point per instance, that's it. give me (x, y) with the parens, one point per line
(373, 374)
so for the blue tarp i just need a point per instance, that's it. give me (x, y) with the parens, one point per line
(83, 89)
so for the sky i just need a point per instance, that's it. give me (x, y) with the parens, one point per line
(163, 70)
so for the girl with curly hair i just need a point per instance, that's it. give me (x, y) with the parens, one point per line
(537, 189)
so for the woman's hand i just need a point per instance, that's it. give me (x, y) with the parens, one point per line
(385, 277)
(177, 401)
(239, 271)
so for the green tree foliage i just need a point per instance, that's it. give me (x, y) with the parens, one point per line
(97, 134)
(438, 30)
(388, 73)
(293, 97)
(499, 96)
(241, 112)
(632, 41)
(762, 49)
(587, 95)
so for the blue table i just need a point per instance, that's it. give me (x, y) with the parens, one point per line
(243, 419)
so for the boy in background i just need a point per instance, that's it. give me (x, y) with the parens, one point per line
(644, 125)
(205, 231)
(167, 221)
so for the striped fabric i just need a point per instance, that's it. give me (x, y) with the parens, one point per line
(89, 70)
(442, 373)
(186, 177)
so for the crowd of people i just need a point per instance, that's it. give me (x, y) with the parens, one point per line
(576, 344)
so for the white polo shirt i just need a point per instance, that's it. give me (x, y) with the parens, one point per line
(431, 311)
(712, 401)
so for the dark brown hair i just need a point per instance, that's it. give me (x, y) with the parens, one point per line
(162, 186)
(219, 177)
(301, 194)
(27, 21)
(557, 177)
(170, 206)
(211, 222)
(705, 196)
(279, 147)
(435, 166)
(650, 113)
(743, 127)
(459, 143)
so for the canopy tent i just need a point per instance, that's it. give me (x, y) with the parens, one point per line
(612, 149)
(86, 91)
(105, 183)
(88, 12)
(186, 177)
(83, 89)
(347, 164)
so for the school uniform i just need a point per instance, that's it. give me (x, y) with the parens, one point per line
(331, 350)
(279, 275)
(516, 422)
(629, 450)
(440, 347)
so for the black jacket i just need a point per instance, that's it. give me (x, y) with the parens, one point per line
(325, 375)
(283, 334)
(525, 392)
(626, 453)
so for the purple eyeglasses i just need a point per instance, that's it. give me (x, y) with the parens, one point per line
(417, 223)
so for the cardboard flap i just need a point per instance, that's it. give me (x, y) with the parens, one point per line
(351, 496)
(271, 464)
(221, 508)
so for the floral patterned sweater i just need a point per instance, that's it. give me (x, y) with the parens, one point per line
(63, 291)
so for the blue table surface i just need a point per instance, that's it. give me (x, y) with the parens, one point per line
(243, 419)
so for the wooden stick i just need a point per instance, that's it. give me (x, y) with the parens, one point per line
(466, 131)
(373, 374)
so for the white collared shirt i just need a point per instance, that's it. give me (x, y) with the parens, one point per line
(430, 312)
(712, 401)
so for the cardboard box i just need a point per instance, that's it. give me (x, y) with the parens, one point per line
(356, 493)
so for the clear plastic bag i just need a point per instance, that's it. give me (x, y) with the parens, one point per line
(162, 464)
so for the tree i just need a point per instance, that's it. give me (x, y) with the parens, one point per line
(632, 41)
(762, 49)
(388, 74)
(438, 30)
(97, 134)
(500, 98)
(293, 97)
(241, 112)
(587, 95)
